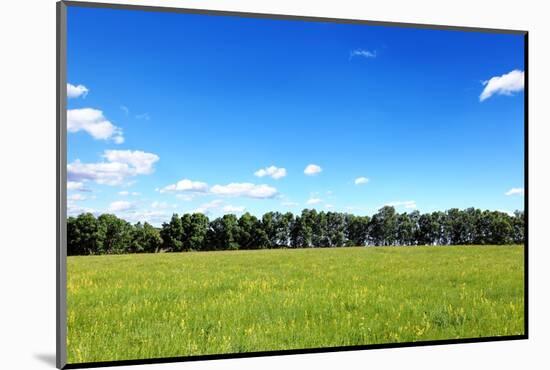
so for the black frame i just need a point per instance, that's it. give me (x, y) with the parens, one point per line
(61, 166)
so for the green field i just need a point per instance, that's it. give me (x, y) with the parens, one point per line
(178, 304)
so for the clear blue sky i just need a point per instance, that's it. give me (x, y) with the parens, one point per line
(214, 99)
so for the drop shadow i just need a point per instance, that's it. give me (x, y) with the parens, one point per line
(47, 358)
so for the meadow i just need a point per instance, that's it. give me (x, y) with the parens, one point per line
(137, 306)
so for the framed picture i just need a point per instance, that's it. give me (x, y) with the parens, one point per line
(234, 184)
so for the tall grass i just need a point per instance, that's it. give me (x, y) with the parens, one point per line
(162, 305)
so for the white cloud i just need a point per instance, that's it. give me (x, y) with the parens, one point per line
(207, 207)
(507, 84)
(76, 197)
(119, 139)
(186, 185)
(186, 197)
(125, 109)
(192, 188)
(271, 171)
(289, 204)
(76, 91)
(245, 189)
(154, 217)
(121, 206)
(329, 206)
(144, 116)
(361, 180)
(75, 185)
(362, 53)
(105, 173)
(312, 169)
(140, 161)
(409, 204)
(515, 191)
(233, 209)
(314, 201)
(94, 123)
(162, 205)
(119, 165)
(125, 193)
(74, 210)
(219, 206)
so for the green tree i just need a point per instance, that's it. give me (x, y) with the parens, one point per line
(428, 229)
(318, 223)
(406, 228)
(442, 230)
(145, 239)
(83, 236)
(284, 227)
(518, 227)
(196, 232)
(461, 226)
(500, 228)
(336, 229)
(303, 228)
(357, 230)
(116, 234)
(223, 233)
(172, 235)
(87, 234)
(383, 226)
(269, 225)
(251, 234)
(472, 216)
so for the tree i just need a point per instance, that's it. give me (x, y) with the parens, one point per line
(83, 235)
(442, 230)
(518, 227)
(461, 226)
(269, 226)
(319, 228)
(405, 229)
(250, 233)
(115, 233)
(223, 233)
(145, 239)
(283, 227)
(336, 229)
(73, 238)
(482, 228)
(302, 229)
(357, 230)
(196, 232)
(172, 234)
(414, 218)
(137, 243)
(500, 228)
(194, 228)
(428, 229)
(383, 226)
(87, 234)
(472, 216)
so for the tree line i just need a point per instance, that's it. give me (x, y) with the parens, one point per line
(108, 234)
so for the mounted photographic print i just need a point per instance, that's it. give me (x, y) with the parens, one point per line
(235, 184)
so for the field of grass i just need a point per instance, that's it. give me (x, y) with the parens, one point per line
(161, 305)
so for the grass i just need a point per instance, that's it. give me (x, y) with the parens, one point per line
(162, 305)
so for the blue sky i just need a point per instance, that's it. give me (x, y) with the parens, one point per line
(179, 113)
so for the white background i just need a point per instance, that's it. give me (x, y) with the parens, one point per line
(27, 193)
